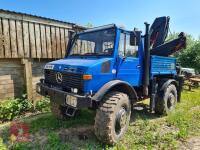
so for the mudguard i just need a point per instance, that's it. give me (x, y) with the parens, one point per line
(178, 83)
(112, 84)
(166, 83)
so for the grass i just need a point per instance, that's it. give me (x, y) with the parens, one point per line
(50, 123)
(146, 130)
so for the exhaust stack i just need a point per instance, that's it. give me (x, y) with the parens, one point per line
(146, 60)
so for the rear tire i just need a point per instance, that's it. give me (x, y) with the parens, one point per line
(112, 117)
(166, 100)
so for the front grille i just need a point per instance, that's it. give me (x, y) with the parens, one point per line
(69, 80)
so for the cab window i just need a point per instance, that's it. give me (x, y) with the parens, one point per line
(125, 48)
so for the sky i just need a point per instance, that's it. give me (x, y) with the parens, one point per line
(184, 14)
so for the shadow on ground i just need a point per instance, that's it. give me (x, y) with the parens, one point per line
(141, 111)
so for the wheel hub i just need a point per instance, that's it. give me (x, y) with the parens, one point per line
(122, 117)
(171, 101)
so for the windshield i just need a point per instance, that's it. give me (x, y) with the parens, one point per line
(93, 43)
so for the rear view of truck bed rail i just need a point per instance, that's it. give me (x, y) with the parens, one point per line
(162, 65)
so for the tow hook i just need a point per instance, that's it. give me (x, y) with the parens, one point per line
(70, 111)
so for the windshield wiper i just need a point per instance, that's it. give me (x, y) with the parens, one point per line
(91, 54)
(75, 55)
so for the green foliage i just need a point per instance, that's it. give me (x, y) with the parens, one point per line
(11, 108)
(2, 145)
(21, 146)
(146, 130)
(187, 116)
(190, 56)
(14, 107)
(89, 25)
(49, 122)
(43, 105)
(54, 142)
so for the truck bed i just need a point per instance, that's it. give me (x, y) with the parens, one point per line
(162, 66)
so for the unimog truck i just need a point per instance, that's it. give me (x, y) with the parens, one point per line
(109, 69)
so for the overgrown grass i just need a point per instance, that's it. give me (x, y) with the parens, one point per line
(146, 130)
(50, 123)
(187, 115)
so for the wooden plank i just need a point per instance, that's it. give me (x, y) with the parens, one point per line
(62, 39)
(1, 40)
(26, 40)
(43, 41)
(48, 41)
(28, 77)
(79, 47)
(86, 46)
(32, 40)
(53, 42)
(13, 39)
(6, 35)
(66, 38)
(19, 39)
(34, 19)
(58, 46)
(38, 42)
(195, 79)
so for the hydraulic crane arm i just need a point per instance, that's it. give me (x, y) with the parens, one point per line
(170, 47)
(159, 31)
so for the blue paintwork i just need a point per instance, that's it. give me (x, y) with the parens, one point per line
(129, 69)
(162, 65)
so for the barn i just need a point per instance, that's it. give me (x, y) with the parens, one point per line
(27, 42)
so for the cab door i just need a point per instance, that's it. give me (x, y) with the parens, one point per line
(129, 65)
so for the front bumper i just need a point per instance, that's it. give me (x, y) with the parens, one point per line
(59, 96)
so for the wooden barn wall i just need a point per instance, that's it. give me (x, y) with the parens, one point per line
(37, 74)
(11, 78)
(26, 39)
(27, 43)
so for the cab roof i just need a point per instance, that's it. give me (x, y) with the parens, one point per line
(103, 27)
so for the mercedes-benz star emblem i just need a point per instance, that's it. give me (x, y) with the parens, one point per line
(59, 77)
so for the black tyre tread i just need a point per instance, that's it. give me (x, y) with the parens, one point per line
(160, 103)
(104, 118)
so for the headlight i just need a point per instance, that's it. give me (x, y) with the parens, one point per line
(74, 90)
(71, 100)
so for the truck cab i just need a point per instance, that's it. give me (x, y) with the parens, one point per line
(97, 56)
(109, 69)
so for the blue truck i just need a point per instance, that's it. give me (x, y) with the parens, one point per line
(109, 69)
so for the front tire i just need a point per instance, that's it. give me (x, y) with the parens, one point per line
(166, 100)
(112, 117)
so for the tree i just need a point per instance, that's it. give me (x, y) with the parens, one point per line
(89, 25)
(190, 56)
